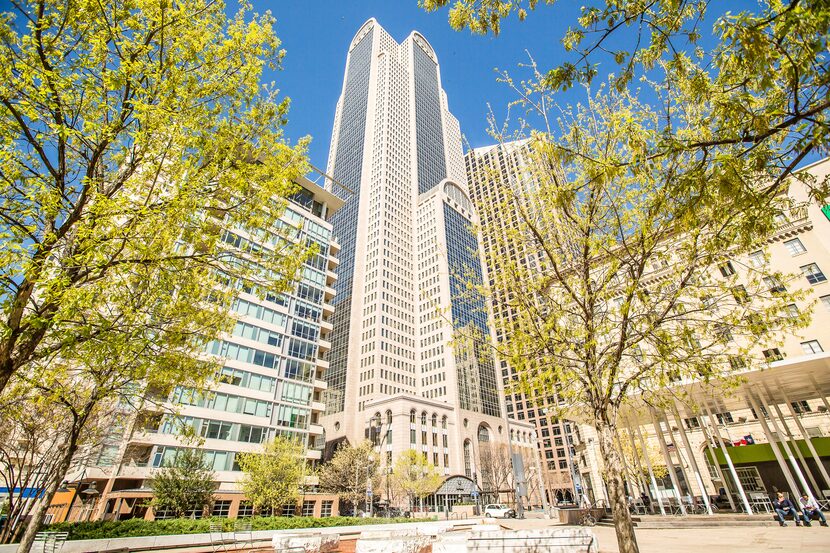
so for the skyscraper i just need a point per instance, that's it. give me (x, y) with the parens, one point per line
(409, 363)
(493, 172)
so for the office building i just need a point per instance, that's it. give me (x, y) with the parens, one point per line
(493, 173)
(410, 341)
(271, 384)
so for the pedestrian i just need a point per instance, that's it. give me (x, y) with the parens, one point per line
(810, 510)
(784, 507)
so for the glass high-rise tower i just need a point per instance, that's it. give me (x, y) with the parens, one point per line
(410, 364)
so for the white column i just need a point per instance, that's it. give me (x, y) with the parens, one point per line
(793, 445)
(713, 443)
(651, 472)
(808, 440)
(789, 453)
(637, 465)
(667, 457)
(692, 461)
(677, 450)
(774, 445)
(713, 421)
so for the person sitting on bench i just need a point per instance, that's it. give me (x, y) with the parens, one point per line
(811, 510)
(784, 507)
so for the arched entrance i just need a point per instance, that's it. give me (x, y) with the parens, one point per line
(455, 489)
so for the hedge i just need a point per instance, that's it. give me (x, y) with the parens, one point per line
(135, 527)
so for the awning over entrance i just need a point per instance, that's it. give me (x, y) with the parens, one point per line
(457, 485)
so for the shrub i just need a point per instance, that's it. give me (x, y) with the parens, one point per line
(139, 527)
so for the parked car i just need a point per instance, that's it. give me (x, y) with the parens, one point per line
(496, 510)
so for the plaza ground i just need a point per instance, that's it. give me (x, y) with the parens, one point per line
(747, 539)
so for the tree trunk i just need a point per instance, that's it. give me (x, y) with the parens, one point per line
(49, 493)
(626, 540)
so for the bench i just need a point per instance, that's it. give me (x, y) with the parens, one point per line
(545, 540)
(49, 542)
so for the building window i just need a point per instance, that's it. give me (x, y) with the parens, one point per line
(563, 464)
(795, 247)
(724, 418)
(750, 479)
(811, 346)
(246, 509)
(221, 508)
(756, 259)
(308, 508)
(468, 470)
(773, 354)
(483, 434)
(775, 286)
(792, 310)
(692, 422)
(813, 273)
(412, 417)
(326, 508)
(801, 407)
(740, 294)
(727, 269)
(288, 510)
(826, 301)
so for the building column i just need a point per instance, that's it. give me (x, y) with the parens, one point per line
(657, 495)
(712, 442)
(637, 465)
(808, 440)
(692, 461)
(773, 444)
(789, 453)
(713, 421)
(664, 416)
(820, 394)
(667, 457)
(793, 445)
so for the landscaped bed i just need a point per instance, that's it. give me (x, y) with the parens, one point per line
(139, 527)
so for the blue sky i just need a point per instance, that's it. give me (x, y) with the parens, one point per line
(316, 36)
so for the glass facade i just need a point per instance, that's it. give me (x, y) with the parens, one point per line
(266, 386)
(348, 163)
(432, 167)
(477, 387)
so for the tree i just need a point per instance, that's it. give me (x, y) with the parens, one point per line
(138, 148)
(30, 438)
(416, 476)
(134, 136)
(184, 485)
(350, 471)
(758, 97)
(272, 477)
(615, 281)
(496, 470)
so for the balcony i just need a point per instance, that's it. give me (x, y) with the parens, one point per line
(328, 293)
(326, 325)
(328, 309)
(331, 278)
(320, 384)
(334, 245)
(315, 429)
(324, 345)
(318, 406)
(334, 262)
(313, 454)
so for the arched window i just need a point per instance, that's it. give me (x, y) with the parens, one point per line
(468, 456)
(483, 434)
(434, 420)
(388, 417)
(412, 417)
(424, 418)
(444, 422)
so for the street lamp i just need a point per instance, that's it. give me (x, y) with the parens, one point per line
(376, 425)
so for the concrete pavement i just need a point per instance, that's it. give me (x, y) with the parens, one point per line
(792, 539)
